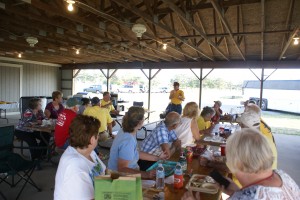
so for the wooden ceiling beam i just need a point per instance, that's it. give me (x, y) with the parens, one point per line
(43, 6)
(295, 32)
(288, 23)
(193, 65)
(22, 47)
(147, 17)
(87, 33)
(262, 22)
(33, 31)
(224, 21)
(201, 6)
(182, 15)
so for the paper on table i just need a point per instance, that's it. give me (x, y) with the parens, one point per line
(169, 180)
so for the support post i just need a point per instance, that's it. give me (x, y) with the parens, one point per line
(149, 91)
(200, 88)
(261, 86)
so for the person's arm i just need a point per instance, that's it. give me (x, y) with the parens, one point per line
(47, 113)
(166, 149)
(109, 123)
(181, 97)
(123, 167)
(150, 157)
(172, 94)
(109, 127)
(208, 130)
(195, 130)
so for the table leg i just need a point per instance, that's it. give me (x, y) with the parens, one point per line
(4, 111)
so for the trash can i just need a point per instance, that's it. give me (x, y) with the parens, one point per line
(24, 102)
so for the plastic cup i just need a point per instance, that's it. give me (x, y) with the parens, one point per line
(223, 147)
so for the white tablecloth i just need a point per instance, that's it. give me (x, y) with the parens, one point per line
(9, 106)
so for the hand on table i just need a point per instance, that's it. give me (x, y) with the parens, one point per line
(151, 174)
(177, 144)
(232, 187)
(163, 156)
(189, 196)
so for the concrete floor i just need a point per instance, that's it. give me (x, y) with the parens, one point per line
(288, 160)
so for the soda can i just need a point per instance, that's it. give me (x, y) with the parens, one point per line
(189, 156)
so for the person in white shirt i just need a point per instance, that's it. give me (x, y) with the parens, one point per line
(187, 131)
(79, 163)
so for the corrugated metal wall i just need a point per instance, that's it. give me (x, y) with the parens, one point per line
(37, 80)
(9, 83)
(40, 80)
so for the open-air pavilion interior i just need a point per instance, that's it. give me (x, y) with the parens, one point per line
(45, 44)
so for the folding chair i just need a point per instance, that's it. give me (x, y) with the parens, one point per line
(138, 103)
(12, 164)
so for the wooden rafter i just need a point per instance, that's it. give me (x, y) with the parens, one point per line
(87, 23)
(224, 21)
(262, 29)
(295, 32)
(194, 26)
(147, 17)
(288, 22)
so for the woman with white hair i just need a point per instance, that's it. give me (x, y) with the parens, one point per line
(251, 118)
(187, 131)
(250, 158)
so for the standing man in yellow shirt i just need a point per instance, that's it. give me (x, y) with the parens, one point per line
(176, 97)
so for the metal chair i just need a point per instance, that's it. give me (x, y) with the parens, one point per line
(138, 103)
(12, 164)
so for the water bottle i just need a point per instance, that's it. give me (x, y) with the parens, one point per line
(178, 177)
(160, 177)
(182, 161)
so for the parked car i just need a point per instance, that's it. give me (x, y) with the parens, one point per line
(143, 89)
(160, 90)
(94, 88)
(129, 89)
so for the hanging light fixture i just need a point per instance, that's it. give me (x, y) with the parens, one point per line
(20, 55)
(296, 40)
(77, 51)
(165, 46)
(139, 29)
(70, 6)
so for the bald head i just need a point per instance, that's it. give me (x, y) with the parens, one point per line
(253, 108)
(172, 118)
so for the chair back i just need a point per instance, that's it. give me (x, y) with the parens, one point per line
(6, 139)
(138, 103)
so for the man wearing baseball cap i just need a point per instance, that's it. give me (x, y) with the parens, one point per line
(102, 114)
(219, 112)
(176, 97)
(64, 119)
(251, 118)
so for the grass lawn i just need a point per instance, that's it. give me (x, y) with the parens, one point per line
(282, 123)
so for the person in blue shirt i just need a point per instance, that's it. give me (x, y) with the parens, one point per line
(162, 139)
(124, 153)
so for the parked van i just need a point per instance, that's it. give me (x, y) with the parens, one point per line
(94, 88)
(129, 89)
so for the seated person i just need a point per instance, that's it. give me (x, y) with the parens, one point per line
(85, 104)
(204, 124)
(187, 131)
(124, 152)
(106, 103)
(161, 139)
(61, 134)
(254, 170)
(219, 112)
(251, 118)
(55, 107)
(103, 116)
(32, 116)
(79, 163)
